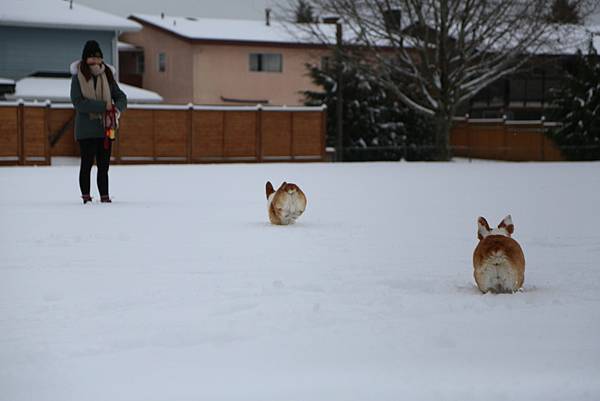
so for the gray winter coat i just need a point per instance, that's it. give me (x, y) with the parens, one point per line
(86, 128)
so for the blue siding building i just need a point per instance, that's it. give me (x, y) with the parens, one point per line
(43, 37)
(26, 50)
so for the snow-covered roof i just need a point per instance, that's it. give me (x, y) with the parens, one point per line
(232, 29)
(6, 81)
(595, 28)
(59, 89)
(593, 19)
(568, 39)
(564, 40)
(58, 14)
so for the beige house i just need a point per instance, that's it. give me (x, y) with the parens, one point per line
(219, 61)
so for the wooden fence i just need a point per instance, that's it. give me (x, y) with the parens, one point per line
(170, 134)
(23, 137)
(203, 134)
(499, 139)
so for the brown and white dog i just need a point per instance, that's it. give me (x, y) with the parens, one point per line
(286, 204)
(498, 259)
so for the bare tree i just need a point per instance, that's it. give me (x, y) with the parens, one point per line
(447, 50)
(304, 12)
(565, 11)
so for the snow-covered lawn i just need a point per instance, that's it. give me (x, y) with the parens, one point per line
(181, 290)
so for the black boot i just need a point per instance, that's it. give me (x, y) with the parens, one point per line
(86, 198)
(105, 199)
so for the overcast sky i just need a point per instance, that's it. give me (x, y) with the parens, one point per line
(237, 9)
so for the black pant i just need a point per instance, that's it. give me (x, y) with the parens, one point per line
(94, 149)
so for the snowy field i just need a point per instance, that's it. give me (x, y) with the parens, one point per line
(180, 290)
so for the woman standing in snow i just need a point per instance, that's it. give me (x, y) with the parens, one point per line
(98, 101)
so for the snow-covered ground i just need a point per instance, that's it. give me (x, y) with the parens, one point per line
(181, 290)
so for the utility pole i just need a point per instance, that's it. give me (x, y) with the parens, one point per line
(340, 90)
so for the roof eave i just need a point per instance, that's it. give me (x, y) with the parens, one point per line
(111, 28)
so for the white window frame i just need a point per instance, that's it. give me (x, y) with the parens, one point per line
(260, 62)
(162, 55)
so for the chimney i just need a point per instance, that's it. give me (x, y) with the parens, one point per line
(268, 16)
(330, 19)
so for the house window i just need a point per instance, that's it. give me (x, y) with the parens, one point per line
(268, 62)
(162, 62)
(140, 65)
(326, 63)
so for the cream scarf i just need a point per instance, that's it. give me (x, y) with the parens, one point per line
(100, 92)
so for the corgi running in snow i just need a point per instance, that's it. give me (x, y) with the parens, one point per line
(498, 259)
(286, 204)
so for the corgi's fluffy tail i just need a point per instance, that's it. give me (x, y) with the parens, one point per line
(269, 189)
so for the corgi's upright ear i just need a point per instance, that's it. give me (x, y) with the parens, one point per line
(483, 228)
(507, 225)
(269, 189)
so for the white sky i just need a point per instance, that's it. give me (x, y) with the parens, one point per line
(237, 9)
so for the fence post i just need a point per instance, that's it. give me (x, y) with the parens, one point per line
(21, 132)
(505, 151)
(153, 135)
(190, 136)
(292, 135)
(116, 148)
(259, 133)
(468, 130)
(224, 129)
(323, 132)
(46, 129)
(543, 139)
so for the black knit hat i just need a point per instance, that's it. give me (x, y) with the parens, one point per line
(91, 49)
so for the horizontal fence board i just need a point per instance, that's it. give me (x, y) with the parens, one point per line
(66, 145)
(307, 134)
(35, 139)
(240, 134)
(136, 134)
(9, 141)
(276, 127)
(207, 135)
(171, 128)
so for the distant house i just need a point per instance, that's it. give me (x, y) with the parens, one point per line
(39, 39)
(527, 94)
(219, 61)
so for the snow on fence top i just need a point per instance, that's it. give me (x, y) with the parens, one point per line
(64, 105)
(59, 14)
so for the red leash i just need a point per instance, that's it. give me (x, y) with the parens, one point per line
(110, 126)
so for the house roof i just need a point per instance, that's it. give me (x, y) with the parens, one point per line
(233, 30)
(59, 14)
(59, 89)
(569, 39)
(564, 40)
